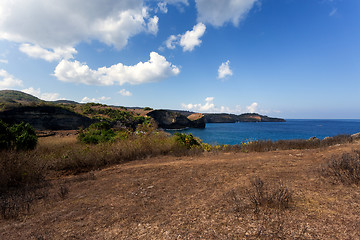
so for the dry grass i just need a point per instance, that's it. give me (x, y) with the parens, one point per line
(269, 145)
(197, 197)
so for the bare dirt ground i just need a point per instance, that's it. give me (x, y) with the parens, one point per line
(196, 197)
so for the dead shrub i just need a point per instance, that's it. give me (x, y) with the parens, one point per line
(16, 201)
(272, 195)
(344, 168)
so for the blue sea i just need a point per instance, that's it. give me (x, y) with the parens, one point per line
(235, 133)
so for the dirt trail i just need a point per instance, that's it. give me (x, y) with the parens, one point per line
(195, 197)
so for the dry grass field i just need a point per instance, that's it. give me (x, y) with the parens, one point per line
(217, 195)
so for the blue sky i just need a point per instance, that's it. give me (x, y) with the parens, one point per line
(285, 58)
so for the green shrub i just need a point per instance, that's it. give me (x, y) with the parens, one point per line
(5, 136)
(187, 140)
(18, 136)
(24, 136)
(97, 133)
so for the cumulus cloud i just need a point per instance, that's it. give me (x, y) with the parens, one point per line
(35, 51)
(189, 40)
(125, 93)
(208, 106)
(218, 13)
(8, 81)
(100, 99)
(154, 70)
(66, 23)
(224, 70)
(253, 107)
(43, 96)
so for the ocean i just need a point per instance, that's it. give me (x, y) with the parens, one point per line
(235, 133)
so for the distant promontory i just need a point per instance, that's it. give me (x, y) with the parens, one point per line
(16, 106)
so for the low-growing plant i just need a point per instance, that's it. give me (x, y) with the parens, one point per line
(344, 168)
(187, 140)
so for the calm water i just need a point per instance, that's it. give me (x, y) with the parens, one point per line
(234, 133)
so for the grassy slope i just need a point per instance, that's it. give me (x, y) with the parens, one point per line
(202, 197)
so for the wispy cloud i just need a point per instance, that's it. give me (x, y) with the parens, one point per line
(55, 54)
(100, 99)
(218, 13)
(125, 93)
(333, 12)
(4, 61)
(44, 96)
(8, 81)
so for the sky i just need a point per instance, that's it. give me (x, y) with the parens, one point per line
(283, 58)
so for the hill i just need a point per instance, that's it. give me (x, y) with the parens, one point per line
(12, 96)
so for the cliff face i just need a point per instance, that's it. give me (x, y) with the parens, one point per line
(46, 118)
(173, 120)
(232, 118)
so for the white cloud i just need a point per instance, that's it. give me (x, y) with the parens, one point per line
(56, 54)
(4, 61)
(218, 12)
(224, 70)
(253, 107)
(154, 70)
(172, 41)
(65, 23)
(189, 40)
(43, 96)
(125, 93)
(153, 25)
(208, 106)
(8, 81)
(101, 99)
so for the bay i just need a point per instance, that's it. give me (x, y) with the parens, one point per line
(235, 133)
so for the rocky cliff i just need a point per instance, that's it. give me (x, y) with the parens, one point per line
(46, 117)
(232, 118)
(174, 120)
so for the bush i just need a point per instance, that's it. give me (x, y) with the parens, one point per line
(273, 196)
(187, 140)
(24, 136)
(5, 136)
(97, 133)
(343, 168)
(18, 136)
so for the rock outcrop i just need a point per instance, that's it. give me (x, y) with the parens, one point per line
(174, 120)
(232, 118)
(46, 117)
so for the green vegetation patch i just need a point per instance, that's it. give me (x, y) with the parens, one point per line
(18, 136)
